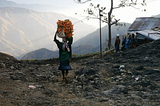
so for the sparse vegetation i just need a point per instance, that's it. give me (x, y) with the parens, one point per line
(93, 81)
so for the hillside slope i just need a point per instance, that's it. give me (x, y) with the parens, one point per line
(44, 53)
(24, 30)
(36, 7)
(129, 78)
(7, 59)
(94, 38)
(40, 54)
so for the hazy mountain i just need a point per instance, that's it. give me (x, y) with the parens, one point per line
(94, 38)
(85, 45)
(5, 3)
(44, 53)
(41, 54)
(24, 30)
(37, 7)
(83, 49)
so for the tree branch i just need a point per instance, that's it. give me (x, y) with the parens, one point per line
(116, 7)
(115, 22)
(80, 2)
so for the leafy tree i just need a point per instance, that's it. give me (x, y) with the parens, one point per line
(109, 19)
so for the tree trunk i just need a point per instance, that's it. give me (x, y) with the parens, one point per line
(109, 24)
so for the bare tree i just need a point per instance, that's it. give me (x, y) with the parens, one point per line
(109, 19)
(123, 3)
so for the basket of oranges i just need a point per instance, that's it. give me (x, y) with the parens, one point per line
(65, 28)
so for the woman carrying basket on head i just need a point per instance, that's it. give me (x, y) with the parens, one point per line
(65, 53)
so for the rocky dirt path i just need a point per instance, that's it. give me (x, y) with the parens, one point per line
(91, 82)
(40, 85)
(130, 78)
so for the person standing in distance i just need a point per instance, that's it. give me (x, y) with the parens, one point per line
(133, 41)
(117, 43)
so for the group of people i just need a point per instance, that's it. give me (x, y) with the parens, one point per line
(128, 43)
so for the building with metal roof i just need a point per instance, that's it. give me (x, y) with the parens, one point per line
(146, 29)
(144, 23)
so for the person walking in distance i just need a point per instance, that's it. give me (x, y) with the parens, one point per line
(65, 53)
(117, 43)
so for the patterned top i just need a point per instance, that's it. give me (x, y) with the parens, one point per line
(64, 55)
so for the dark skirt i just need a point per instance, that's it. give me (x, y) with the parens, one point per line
(64, 65)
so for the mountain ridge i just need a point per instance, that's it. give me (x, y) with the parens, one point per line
(40, 54)
(44, 53)
(91, 38)
(36, 7)
(23, 30)
(86, 47)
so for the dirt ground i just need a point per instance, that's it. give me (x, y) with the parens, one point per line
(129, 78)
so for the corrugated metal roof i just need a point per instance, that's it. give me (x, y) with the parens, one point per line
(150, 34)
(144, 23)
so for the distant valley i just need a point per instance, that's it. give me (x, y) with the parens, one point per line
(87, 44)
(25, 30)
(36, 7)
(44, 53)
(94, 37)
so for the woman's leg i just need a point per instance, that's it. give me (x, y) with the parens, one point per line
(63, 73)
(66, 73)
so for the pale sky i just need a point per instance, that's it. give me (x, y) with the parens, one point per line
(127, 14)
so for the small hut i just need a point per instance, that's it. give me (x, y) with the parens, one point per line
(146, 29)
